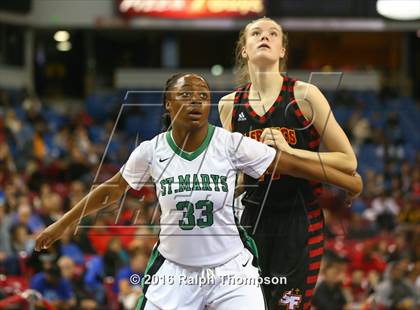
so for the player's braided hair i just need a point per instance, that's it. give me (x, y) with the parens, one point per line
(166, 118)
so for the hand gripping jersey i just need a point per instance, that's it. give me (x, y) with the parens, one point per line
(196, 192)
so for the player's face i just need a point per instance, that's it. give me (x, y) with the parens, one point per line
(189, 102)
(264, 42)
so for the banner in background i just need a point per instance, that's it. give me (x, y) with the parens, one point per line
(192, 8)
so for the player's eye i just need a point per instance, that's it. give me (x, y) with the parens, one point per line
(255, 33)
(274, 33)
(185, 94)
(204, 95)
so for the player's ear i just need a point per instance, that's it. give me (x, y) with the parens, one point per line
(244, 55)
(282, 52)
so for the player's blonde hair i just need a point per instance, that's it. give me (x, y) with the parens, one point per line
(241, 64)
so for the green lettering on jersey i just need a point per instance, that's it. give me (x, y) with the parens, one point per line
(184, 183)
(169, 181)
(215, 179)
(205, 182)
(206, 218)
(188, 220)
(196, 183)
(163, 187)
(223, 180)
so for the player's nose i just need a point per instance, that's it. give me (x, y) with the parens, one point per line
(196, 98)
(264, 36)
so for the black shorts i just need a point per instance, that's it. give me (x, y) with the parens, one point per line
(290, 245)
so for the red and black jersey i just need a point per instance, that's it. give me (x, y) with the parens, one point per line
(285, 115)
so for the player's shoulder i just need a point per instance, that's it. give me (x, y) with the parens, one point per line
(149, 147)
(222, 132)
(303, 89)
(227, 100)
(226, 137)
(229, 97)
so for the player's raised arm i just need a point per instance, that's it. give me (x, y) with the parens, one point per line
(102, 196)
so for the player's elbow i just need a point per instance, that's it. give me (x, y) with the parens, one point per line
(350, 164)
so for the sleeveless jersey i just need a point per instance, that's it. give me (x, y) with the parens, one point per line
(196, 192)
(285, 115)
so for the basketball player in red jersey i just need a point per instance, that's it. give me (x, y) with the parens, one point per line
(282, 212)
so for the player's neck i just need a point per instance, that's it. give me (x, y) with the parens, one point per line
(189, 140)
(264, 79)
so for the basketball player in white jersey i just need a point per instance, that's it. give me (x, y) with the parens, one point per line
(203, 259)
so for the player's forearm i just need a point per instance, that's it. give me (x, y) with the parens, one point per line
(240, 185)
(316, 170)
(99, 198)
(338, 160)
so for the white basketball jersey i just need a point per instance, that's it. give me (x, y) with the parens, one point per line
(196, 192)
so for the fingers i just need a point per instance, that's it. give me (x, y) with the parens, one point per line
(269, 142)
(43, 242)
(272, 135)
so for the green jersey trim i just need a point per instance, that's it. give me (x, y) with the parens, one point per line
(197, 152)
(155, 262)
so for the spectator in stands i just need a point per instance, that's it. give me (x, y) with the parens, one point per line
(40, 261)
(114, 258)
(29, 219)
(360, 129)
(129, 294)
(61, 141)
(94, 278)
(369, 190)
(5, 246)
(78, 169)
(54, 288)
(70, 273)
(20, 135)
(329, 294)
(414, 279)
(367, 259)
(394, 292)
(358, 289)
(359, 227)
(70, 248)
(383, 210)
(76, 192)
(406, 177)
(51, 208)
(393, 129)
(21, 240)
(399, 251)
(415, 187)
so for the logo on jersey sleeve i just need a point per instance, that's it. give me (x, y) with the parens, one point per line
(290, 300)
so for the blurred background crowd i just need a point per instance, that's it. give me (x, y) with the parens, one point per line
(72, 124)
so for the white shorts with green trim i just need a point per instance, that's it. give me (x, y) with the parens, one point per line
(233, 285)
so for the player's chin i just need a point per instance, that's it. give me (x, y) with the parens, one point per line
(196, 123)
(196, 120)
(264, 57)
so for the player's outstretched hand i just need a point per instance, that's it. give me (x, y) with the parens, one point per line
(49, 235)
